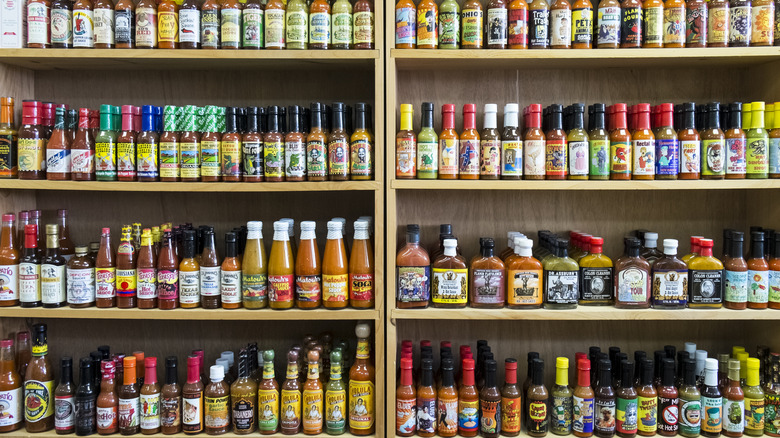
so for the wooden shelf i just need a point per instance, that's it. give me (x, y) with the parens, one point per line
(198, 314)
(52, 434)
(586, 313)
(416, 59)
(100, 186)
(731, 184)
(180, 59)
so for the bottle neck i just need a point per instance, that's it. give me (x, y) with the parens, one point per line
(490, 120)
(713, 120)
(556, 120)
(129, 376)
(66, 374)
(85, 375)
(469, 121)
(561, 376)
(757, 249)
(510, 119)
(598, 120)
(643, 121)
(689, 119)
(448, 120)
(338, 120)
(578, 120)
(757, 119)
(150, 377)
(406, 377)
(427, 119)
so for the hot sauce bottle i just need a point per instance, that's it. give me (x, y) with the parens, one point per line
(108, 400)
(754, 399)
(488, 276)
(733, 403)
(64, 400)
(717, 24)
(170, 167)
(147, 145)
(252, 147)
(538, 401)
(670, 279)
(524, 277)
(188, 22)
(83, 24)
(168, 274)
(706, 276)
(124, 24)
(83, 150)
(427, 145)
(338, 145)
(668, 401)
(667, 148)
(674, 24)
(511, 164)
(450, 278)
(290, 409)
(129, 406)
(577, 139)
(560, 29)
(61, 20)
(361, 145)
(561, 415)
(243, 398)
(647, 401)
(631, 24)
(316, 149)
(308, 269)
(405, 25)
(335, 279)
(561, 278)
(280, 269)
(620, 144)
(209, 25)
(598, 142)
(413, 272)
(632, 278)
(254, 268)
(361, 268)
(596, 274)
(170, 399)
(105, 272)
(472, 25)
(762, 31)
(167, 26)
(30, 269)
(146, 25)
(146, 273)
(426, 21)
(9, 263)
(31, 140)
(490, 145)
(209, 269)
(273, 150)
(696, 23)
(758, 284)
(713, 145)
(230, 25)
(216, 403)
(690, 144)
(126, 271)
(189, 146)
(105, 146)
(150, 398)
(468, 402)
(58, 159)
(268, 397)
(230, 146)
(8, 139)
(312, 397)
(126, 146)
(39, 386)
(192, 399)
(53, 278)
(81, 280)
(534, 153)
(583, 400)
(469, 164)
(538, 25)
(643, 144)
(736, 285)
(406, 401)
(189, 273)
(103, 14)
(652, 23)
(757, 143)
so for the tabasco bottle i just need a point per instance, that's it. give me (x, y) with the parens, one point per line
(31, 142)
(280, 269)
(335, 268)
(11, 388)
(53, 279)
(643, 144)
(427, 145)
(308, 269)
(361, 268)
(167, 274)
(406, 146)
(490, 145)
(469, 144)
(9, 263)
(706, 276)
(30, 269)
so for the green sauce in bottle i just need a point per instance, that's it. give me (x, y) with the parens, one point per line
(427, 146)
(449, 25)
(105, 146)
(561, 412)
(754, 400)
(757, 144)
(561, 278)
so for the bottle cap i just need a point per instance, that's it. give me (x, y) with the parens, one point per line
(450, 243)
(670, 246)
(562, 362)
(216, 373)
(511, 108)
(254, 226)
(150, 362)
(491, 108)
(309, 226)
(469, 108)
(8, 217)
(7, 343)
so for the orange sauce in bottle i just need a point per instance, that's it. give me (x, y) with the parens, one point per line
(690, 144)
(308, 269)
(281, 269)
(758, 273)
(313, 395)
(774, 266)
(230, 275)
(643, 143)
(189, 274)
(361, 268)
(619, 144)
(335, 274)
(469, 144)
(534, 144)
(524, 277)
(362, 400)
(448, 143)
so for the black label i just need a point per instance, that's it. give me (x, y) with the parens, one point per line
(668, 414)
(561, 287)
(243, 415)
(124, 26)
(7, 153)
(86, 422)
(706, 287)
(596, 284)
(253, 158)
(631, 26)
(539, 28)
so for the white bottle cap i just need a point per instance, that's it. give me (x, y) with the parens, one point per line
(651, 240)
(280, 231)
(510, 114)
(690, 347)
(229, 356)
(224, 364)
(523, 247)
(308, 230)
(510, 238)
(670, 246)
(280, 226)
(490, 116)
(254, 230)
(361, 229)
(450, 246)
(343, 224)
(334, 230)
(216, 373)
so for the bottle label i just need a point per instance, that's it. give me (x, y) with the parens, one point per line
(105, 279)
(230, 286)
(644, 157)
(267, 410)
(450, 286)
(81, 286)
(512, 153)
(64, 413)
(170, 411)
(273, 157)
(524, 287)
(31, 151)
(38, 403)
(774, 286)
(739, 25)
(413, 284)
(538, 28)
(690, 417)
(53, 284)
(406, 416)
(307, 288)
(82, 161)
(774, 155)
(361, 287)
(647, 413)
(124, 26)
(511, 409)
(556, 158)
(146, 27)
(231, 158)
(757, 159)
(490, 158)
(361, 163)
(733, 415)
(150, 411)
(7, 154)
(83, 28)
(9, 283)
(312, 409)
(105, 159)
(560, 415)
(253, 158)
(209, 27)
(125, 154)
(342, 29)
(689, 156)
(189, 26)
(468, 415)
(578, 158)
(487, 286)
(316, 162)
(58, 160)
(696, 25)
(668, 414)
(280, 288)
(489, 416)
(712, 157)
(243, 413)
(426, 26)
(449, 29)
(274, 28)
(62, 26)
(448, 151)
(560, 29)
(763, 29)
(253, 287)
(361, 403)
(469, 157)
(758, 286)
(338, 157)
(189, 287)
(582, 26)
(169, 159)
(405, 29)
(230, 28)
(754, 414)
(632, 286)
(706, 286)
(599, 157)
(561, 287)
(771, 409)
(209, 281)
(335, 288)
(192, 411)
(215, 412)
(609, 25)
(106, 418)
(335, 407)
(582, 414)
(146, 283)
(291, 409)
(189, 159)
(605, 416)
(620, 152)
(670, 287)
(128, 412)
(448, 415)
(653, 20)
(518, 27)
(497, 30)
(125, 282)
(167, 27)
(713, 414)
(29, 282)
(596, 284)
(534, 157)
(209, 158)
(674, 25)
(167, 284)
(37, 23)
(666, 161)
(147, 160)
(427, 159)
(472, 28)
(12, 407)
(631, 26)
(718, 26)
(626, 415)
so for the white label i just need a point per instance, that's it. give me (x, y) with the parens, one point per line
(191, 411)
(319, 28)
(29, 282)
(37, 23)
(128, 411)
(82, 160)
(104, 26)
(81, 286)
(670, 284)
(609, 25)
(62, 26)
(146, 27)
(631, 285)
(64, 412)
(733, 415)
(189, 26)
(534, 157)
(83, 28)
(342, 28)
(230, 286)
(11, 401)
(496, 26)
(189, 287)
(644, 157)
(13, 24)
(690, 160)
(106, 417)
(578, 157)
(274, 28)
(53, 284)
(758, 286)
(209, 281)
(9, 282)
(560, 27)
(58, 160)
(146, 283)
(150, 411)
(450, 284)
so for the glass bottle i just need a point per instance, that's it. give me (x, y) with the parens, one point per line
(108, 400)
(85, 400)
(733, 403)
(561, 409)
(64, 400)
(488, 278)
(335, 291)
(596, 274)
(450, 278)
(670, 279)
(209, 273)
(11, 384)
(362, 397)
(167, 274)
(626, 402)
(281, 269)
(604, 403)
(129, 405)
(192, 398)
(413, 272)
(561, 279)
(706, 277)
(632, 278)
(524, 274)
(53, 278)
(619, 140)
(189, 21)
(170, 399)
(254, 268)
(538, 401)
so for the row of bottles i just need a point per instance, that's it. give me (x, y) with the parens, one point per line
(320, 391)
(642, 142)
(582, 24)
(561, 273)
(188, 143)
(183, 269)
(192, 24)
(671, 393)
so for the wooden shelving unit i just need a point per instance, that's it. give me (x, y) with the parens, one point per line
(198, 314)
(52, 434)
(580, 185)
(218, 187)
(584, 314)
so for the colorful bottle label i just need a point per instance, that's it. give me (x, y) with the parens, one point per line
(561, 287)
(740, 25)
(253, 287)
(167, 284)
(405, 29)
(62, 26)
(471, 36)
(538, 28)
(696, 25)
(413, 283)
(32, 152)
(9, 283)
(361, 287)
(560, 27)
(644, 157)
(713, 414)
(524, 287)
(647, 414)
(609, 25)
(81, 285)
(534, 157)
(361, 403)
(267, 410)
(448, 415)
(231, 158)
(316, 158)
(64, 413)
(718, 25)
(242, 413)
(189, 287)
(252, 32)
(39, 400)
(363, 27)
(58, 160)
(712, 156)
(599, 157)
(189, 25)
(556, 158)
(450, 286)
(620, 152)
(512, 152)
(209, 27)
(280, 288)
(631, 26)
(273, 157)
(468, 415)
(82, 161)
(169, 159)
(772, 405)
(192, 412)
(295, 159)
(167, 27)
(308, 288)
(210, 161)
(216, 412)
(690, 417)
(83, 28)
(361, 162)
(596, 283)
(670, 287)
(626, 415)
(733, 416)
(582, 26)
(582, 414)
(125, 155)
(490, 416)
(105, 279)
(426, 27)
(511, 411)
(632, 286)
(762, 32)
(335, 288)
(406, 416)
(706, 286)
(230, 286)
(338, 157)
(146, 27)
(146, 283)
(449, 29)
(170, 411)
(105, 159)
(674, 25)
(774, 286)
(230, 27)
(469, 157)
(497, 27)
(667, 153)
(37, 23)
(426, 415)
(758, 286)
(668, 414)
(128, 412)
(297, 28)
(252, 158)
(689, 156)
(189, 159)
(518, 27)
(754, 414)
(125, 282)
(448, 156)
(736, 286)
(427, 159)
(106, 418)
(147, 160)
(150, 411)
(319, 28)
(578, 158)
(560, 415)
(341, 34)
(274, 28)
(757, 158)
(335, 408)
(605, 415)
(487, 286)
(490, 158)
(653, 22)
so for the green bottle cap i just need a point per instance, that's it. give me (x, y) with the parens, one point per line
(169, 121)
(169, 110)
(105, 109)
(115, 110)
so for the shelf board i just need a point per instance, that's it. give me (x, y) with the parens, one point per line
(52, 434)
(121, 186)
(198, 314)
(180, 59)
(441, 184)
(595, 58)
(585, 313)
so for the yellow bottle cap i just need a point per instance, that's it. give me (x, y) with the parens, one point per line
(407, 108)
(757, 106)
(562, 362)
(747, 107)
(736, 350)
(753, 365)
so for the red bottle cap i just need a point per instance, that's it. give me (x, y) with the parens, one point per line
(193, 363)
(106, 230)
(579, 355)
(406, 364)
(406, 355)
(705, 247)
(596, 244)
(468, 372)
(445, 344)
(406, 343)
(618, 107)
(31, 236)
(448, 116)
(534, 116)
(9, 217)
(586, 242)
(128, 121)
(469, 108)
(510, 372)
(448, 108)
(136, 110)
(127, 109)
(7, 343)
(48, 113)
(425, 343)
(84, 118)
(469, 116)
(31, 112)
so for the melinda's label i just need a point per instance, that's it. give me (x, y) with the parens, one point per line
(670, 287)
(406, 416)
(733, 415)
(736, 286)
(361, 287)
(674, 25)
(696, 25)
(267, 409)
(512, 152)
(487, 285)
(762, 32)
(578, 158)
(538, 28)
(632, 285)
(12, 407)
(582, 414)
(706, 286)
(32, 152)
(427, 159)
(712, 414)
(758, 286)
(230, 286)
(689, 156)
(518, 28)
(582, 26)
(524, 287)
(609, 25)
(560, 29)
(560, 415)
(338, 157)
(468, 415)
(335, 409)
(647, 414)
(534, 157)
(718, 25)
(620, 161)
(81, 285)
(599, 157)
(216, 411)
(62, 26)
(472, 33)
(405, 29)
(361, 163)
(150, 411)
(253, 286)
(712, 156)
(739, 25)
(754, 414)
(53, 284)
(690, 417)
(490, 158)
(274, 28)
(170, 411)
(605, 414)
(511, 412)
(596, 284)
(128, 412)
(426, 27)
(167, 284)
(644, 157)
(653, 21)
(626, 415)
(319, 28)
(280, 288)
(668, 414)
(757, 158)
(335, 288)
(291, 409)
(64, 413)
(450, 286)
(666, 159)
(555, 160)
(561, 287)
(631, 26)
